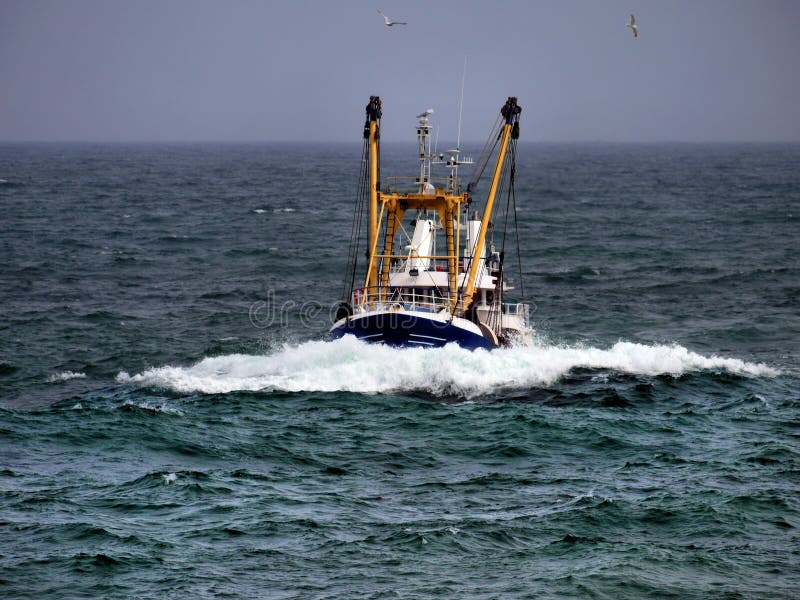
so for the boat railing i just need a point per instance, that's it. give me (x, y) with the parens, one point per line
(430, 299)
(521, 310)
(410, 185)
(408, 263)
(426, 299)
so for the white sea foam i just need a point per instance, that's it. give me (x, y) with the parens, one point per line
(169, 478)
(65, 376)
(286, 209)
(353, 366)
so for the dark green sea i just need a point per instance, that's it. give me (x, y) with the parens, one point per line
(173, 423)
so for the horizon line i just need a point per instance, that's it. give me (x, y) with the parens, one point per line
(354, 141)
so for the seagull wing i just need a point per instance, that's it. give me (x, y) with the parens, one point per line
(633, 20)
(388, 21)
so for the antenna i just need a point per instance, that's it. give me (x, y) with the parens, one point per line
(424, 138)
(454, 159)
(461, 103)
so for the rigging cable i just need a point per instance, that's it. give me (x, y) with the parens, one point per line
(511, 202)
(355, 231)
(516, 221)
(486, 154)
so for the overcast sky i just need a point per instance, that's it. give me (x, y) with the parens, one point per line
(701, 70)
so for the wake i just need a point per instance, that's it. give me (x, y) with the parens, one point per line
(348, 365)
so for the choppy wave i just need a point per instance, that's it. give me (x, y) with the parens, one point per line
(285, 209)
(151, 407)
(349, 365)
(65, 376)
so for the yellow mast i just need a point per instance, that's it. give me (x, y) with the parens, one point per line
(448, 206)
(510, 111)
(373, 115)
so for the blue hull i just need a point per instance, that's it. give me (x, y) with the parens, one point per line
(408, 331)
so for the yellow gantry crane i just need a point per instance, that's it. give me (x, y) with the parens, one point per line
(387, 209)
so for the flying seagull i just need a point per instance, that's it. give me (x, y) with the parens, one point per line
(388, 21)
(632, 25)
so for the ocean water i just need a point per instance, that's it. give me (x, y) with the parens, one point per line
(173, 422)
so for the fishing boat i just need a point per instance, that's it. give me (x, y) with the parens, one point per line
(434, 259)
